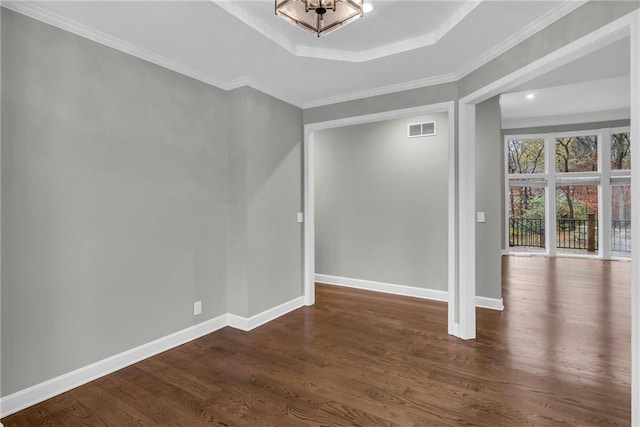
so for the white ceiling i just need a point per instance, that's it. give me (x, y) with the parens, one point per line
(400, 45)
(593, 88)
(396, 31)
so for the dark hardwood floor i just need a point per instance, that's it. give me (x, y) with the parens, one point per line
(558, 355)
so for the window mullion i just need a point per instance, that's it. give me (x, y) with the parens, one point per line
(550, 194)
(605, 199)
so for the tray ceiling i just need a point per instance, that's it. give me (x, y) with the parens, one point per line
(400, 45)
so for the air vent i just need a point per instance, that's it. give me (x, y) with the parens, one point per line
(418, 130)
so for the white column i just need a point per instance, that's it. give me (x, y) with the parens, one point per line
(550, 225)
(466, 310)
(635, 230)
(452, 233)
(309, 220)
(604, 194)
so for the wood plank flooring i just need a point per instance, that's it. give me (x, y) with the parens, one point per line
(558, 355)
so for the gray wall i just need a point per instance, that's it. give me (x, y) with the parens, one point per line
(265, 192)
(113, 201)
(376, 104)
(381, 203)
(117, 193)
(566, 128)
(582, 21)
(489, 189)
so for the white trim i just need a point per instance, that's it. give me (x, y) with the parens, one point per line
(309, 159)
(387, 288)
(309, 213)
(40, 392)
(247, 324)
(572, 255)
(34, 11)
(604, 178)
(408, 44)
(465, 308)
(245, 81)
(452, 227)
(616, 30)
(382, 90)
(41, 14)
(506, 205)
(441, 107)
(612, 32)
(550, 205)
(536, 26)
(565, 119)
(490, 303)
(1, 425)
(605, 201)
(35, 394)
(635, 207)
(424, 40)
(404, 290)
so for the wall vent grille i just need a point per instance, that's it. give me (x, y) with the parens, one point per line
(417, 130)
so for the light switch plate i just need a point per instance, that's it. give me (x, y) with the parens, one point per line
(300, 217)
(480, 216)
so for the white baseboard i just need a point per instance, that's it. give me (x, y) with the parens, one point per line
(388, 288)
(43, 391)
(408, 291)
(490, 303)
(40, 392)
(249, 323)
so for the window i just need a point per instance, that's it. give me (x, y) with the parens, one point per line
(569, 192)
(577, 154)
(525, 156)
(620, 151)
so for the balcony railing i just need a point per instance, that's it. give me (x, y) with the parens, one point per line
(571, 233)
(621, 235)
(526, 232)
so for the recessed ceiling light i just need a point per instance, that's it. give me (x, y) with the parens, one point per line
(368, 7)
(531, 95)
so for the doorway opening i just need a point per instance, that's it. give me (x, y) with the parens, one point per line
(310, 195)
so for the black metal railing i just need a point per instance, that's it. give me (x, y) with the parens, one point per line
(571, 233)
(621, 235)
(526, 232)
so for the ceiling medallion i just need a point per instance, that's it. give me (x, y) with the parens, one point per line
(319, 17)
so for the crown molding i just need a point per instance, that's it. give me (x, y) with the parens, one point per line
(382, 90)
(239, 12)
(265, 89)
(43, 15)
(535, 27)
(33, 11)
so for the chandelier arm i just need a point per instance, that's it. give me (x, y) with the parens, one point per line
(357, 6)
(297, 12)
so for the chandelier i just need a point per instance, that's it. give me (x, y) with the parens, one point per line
(319, 17)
